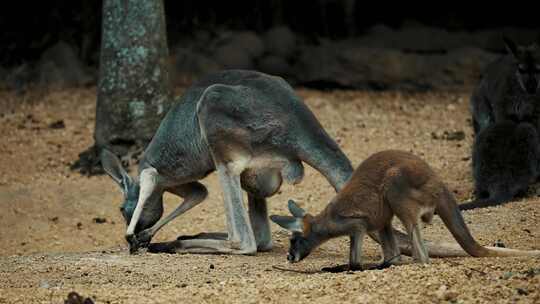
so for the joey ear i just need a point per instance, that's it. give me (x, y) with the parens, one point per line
(112, 165)
(511, 47)
(295, 210)
(288, 222)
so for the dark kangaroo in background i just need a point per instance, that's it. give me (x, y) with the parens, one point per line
(505, 162)
(508, 91)
(387, 183)
(254, 131)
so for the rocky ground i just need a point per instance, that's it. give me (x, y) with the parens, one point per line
(63, 232)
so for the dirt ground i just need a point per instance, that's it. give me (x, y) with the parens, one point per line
(60, 231)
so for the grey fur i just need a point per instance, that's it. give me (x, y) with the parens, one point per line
(250, 127)
(256, 132)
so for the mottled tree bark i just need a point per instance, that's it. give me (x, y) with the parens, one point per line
(134, 90)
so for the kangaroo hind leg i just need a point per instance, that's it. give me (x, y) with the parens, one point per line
(260, 184)
(390, 249)
(219, 112)
(240, 237)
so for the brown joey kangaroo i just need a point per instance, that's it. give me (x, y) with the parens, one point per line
(255, 132)
(386, 184)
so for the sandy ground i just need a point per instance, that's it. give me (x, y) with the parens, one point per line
(51, 243)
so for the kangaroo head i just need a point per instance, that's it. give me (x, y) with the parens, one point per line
(302, 241)
(130, 188)
(527, 59)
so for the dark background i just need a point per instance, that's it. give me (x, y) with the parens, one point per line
(29, 27)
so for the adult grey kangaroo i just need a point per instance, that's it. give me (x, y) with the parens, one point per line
(254, 131)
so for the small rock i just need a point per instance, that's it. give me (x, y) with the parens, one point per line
(79, 225)
(449, 135)
(444, 294)
(99, 220)
(457, 135)
(507, 275)
(522, 291)
(212, 266)
(75, 298)
(531, 272)
(44, 284)
(499, 243)
(450, 296)
(59, 124)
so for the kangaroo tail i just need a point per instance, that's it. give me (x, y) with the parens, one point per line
(452, 218)
(435, 249)
(322, 153)
(498, 199)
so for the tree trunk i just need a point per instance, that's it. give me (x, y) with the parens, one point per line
(134, 91)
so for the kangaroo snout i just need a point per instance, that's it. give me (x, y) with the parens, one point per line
(291, 258)
(132, 242)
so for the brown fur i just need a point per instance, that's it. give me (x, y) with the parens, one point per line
(392, 183)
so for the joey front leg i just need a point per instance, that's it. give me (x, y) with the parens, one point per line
(193, 193)
(355, 255)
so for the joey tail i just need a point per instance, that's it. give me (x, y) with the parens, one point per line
(451, 216)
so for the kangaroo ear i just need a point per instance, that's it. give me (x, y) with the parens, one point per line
(511, 47)
(112, 165)
(295, 210)
(288, 222)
